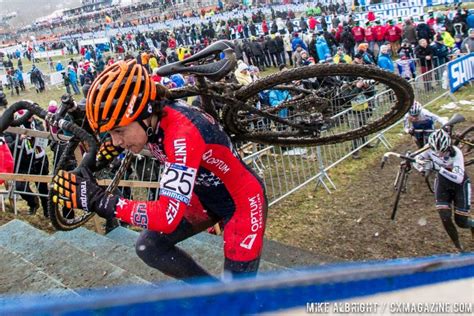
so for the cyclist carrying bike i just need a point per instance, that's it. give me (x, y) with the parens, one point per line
(452, 185)
(204, 181)
(420, 123)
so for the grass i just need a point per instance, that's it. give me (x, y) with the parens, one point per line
(51, 93)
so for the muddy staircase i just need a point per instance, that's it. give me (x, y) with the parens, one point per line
(67, 263)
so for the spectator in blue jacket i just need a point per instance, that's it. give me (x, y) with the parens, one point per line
(470, 19)
(385, 60)
(278, 96)
(88, 55)
(322, 48)
(73, 79)
(19, 77)
(298, 41)
(440, 51)
(59, 67)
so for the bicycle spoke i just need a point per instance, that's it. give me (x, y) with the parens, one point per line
(318, 104)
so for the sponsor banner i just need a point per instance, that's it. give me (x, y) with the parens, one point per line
(49, 53)
(410, 3)
(11, 49)
(393, 11)
(26, 78)
(56, 78)
(460, 72)
(94, 41)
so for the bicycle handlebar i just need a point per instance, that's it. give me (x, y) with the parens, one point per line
(7, 119)
(215, 70)
(89, 159)
(401, 156)
(409, 156)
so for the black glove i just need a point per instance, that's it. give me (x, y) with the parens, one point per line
(81, 191)
(448, 129)
(411, 131)
(107, 151)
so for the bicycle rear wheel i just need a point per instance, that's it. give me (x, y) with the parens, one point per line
(324, 111)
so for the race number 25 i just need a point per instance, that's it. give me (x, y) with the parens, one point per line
(177, 182)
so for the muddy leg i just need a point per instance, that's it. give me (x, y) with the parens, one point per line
(450, 228)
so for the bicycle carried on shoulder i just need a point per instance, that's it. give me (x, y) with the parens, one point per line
(314, 92)
(465, 141)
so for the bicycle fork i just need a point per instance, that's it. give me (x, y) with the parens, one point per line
(112, 223)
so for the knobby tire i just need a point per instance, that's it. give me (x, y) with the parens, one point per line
(400, 185)
(55, 211)
(467, 149)
(401, 88)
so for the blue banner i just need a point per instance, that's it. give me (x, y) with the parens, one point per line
(460, 71)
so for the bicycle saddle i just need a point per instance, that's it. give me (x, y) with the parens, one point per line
(213, 70)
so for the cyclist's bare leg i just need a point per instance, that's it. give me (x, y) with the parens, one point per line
(446, 219)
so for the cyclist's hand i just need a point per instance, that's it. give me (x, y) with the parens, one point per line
(422, 164)
(411, 131)
(436, 167)
(81, 191)
(107, 151)
(448, 129)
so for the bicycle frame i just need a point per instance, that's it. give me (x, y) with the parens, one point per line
(400, 183)
(400, 186)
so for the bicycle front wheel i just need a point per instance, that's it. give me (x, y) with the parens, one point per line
(400, 187)
(465, 142)
(61, 217)
(318, 104)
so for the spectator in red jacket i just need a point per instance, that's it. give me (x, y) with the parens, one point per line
(264, 27)
(431, 20)
(312, 23)
(358, 32)
(393, 34)
(370, 35)
(172, 42)
(339, 32)
(379, 33)
(371, 16)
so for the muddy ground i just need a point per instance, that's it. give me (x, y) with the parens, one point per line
(353, 223)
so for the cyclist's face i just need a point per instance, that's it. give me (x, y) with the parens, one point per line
(442, 154)
(131, 137)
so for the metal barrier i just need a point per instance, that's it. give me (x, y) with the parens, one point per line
(37, 153)
(284, 170)
(289, 169)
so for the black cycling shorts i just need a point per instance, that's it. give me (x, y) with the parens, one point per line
(448, 192)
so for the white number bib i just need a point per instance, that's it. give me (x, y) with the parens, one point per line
(41, 142)
(177, 182)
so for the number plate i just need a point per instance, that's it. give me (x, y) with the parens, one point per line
(177, 182)
(41, 142)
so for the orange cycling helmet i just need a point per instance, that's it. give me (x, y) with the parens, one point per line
(120, 95)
